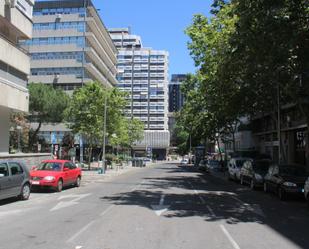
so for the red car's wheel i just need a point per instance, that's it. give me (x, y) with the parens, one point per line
(78, 181)
(59, 185)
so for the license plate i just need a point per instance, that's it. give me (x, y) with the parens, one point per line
(35, 183)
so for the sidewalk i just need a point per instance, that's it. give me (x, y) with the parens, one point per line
(91, 176)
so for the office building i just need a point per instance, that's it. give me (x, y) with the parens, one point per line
(176, 102)
(143, 73)
(70, 45)
(15, 25)
(176, 97)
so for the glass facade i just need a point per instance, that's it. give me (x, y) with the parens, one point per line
(79, 26)
(55, 11)
(77, 71)
(78, 40)
(78, 56)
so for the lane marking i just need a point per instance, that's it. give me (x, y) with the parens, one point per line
(211, 211)
(229, 236)
(160, 209)
(106, 210)
(255, 208)
(80, 231)
(138, 186)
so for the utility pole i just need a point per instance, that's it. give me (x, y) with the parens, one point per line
(104, 135)
(279, 123)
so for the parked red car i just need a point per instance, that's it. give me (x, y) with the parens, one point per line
(55, 174)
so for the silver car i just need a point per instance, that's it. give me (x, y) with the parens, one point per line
(234, 167)
(306, 190)
(14, 180)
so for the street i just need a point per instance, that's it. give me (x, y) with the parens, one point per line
(162, 206)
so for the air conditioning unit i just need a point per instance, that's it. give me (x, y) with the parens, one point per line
(59, 16)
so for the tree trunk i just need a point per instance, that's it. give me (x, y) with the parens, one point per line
(34, 135)
(90, 154)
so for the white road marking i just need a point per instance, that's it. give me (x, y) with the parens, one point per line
(65, 204)
(230, 238)
(80, 231)
(200, 197)
(78, 247)
(138, 186)
(106, 210)
(211, 211)
(161, 208)
(255, 208)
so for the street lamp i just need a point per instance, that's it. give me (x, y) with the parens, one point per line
(104, 135)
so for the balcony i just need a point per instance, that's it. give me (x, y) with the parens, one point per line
(98, 75)
(13, 56)
(103, 67)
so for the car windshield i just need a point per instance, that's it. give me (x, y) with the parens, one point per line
(239, 163)
(292, 171)
(50, 166)
(261, 167)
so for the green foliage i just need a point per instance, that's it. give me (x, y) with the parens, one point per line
(243, 53)
(46, 105)
(85, 114)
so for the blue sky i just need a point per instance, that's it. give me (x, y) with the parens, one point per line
(160, 23)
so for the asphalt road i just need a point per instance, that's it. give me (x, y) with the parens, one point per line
(162, 207)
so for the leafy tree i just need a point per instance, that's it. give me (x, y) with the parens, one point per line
(46, 105)
(85, 114)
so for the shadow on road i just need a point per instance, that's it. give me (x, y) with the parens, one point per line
(218, 200)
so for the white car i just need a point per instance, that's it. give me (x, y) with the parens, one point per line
(306, 190)
(234, 167)
(184, 162)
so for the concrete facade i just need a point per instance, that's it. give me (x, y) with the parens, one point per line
(70, 46)
(15, 25)
(143, 73)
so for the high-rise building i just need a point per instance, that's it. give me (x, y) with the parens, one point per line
(143, 73)
(15, 25)
(70, 45)
(176, 102)
(176, 98)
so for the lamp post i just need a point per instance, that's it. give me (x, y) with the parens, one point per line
(104, 135)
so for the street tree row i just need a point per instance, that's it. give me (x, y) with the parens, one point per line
(251, 56)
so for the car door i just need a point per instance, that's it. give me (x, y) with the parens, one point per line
(74, 172)
(67, 178)
(4, 181)
(17, 177)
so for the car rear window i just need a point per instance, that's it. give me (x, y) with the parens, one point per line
(261, 166)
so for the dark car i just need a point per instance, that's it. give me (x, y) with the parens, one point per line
(14, 180)
(213, 165)
(285, 180)
(203, 165)
(253, 172)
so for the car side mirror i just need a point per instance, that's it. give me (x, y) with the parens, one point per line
(1, 175)
(66, 169)
(34, 168)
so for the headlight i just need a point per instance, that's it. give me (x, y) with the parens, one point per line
(49, 178)
(258, 177)
(289, 184)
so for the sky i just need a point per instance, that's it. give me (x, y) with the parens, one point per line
(160, 23)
